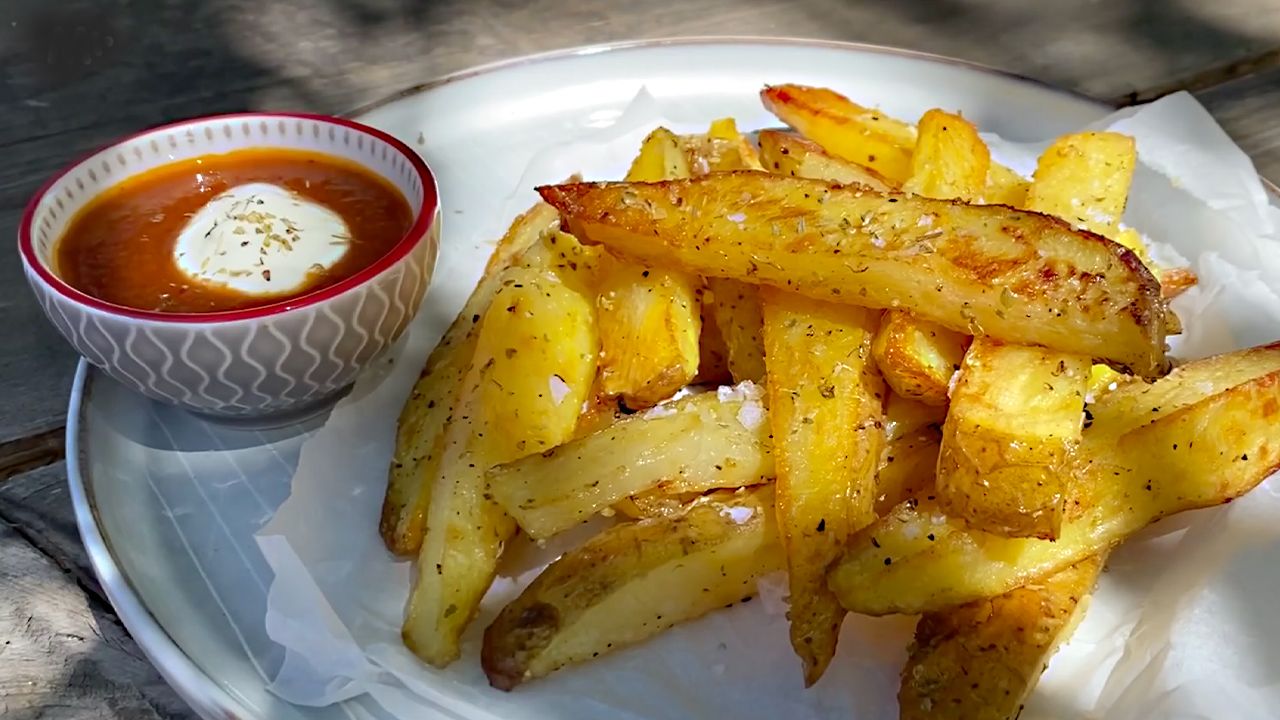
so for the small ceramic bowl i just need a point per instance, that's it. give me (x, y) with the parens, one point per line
(269, 361)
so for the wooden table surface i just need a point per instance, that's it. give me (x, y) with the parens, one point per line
(77, 73)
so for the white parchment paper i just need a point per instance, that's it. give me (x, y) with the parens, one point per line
(1181, 626)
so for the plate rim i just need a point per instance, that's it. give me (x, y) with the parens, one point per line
(195, 686)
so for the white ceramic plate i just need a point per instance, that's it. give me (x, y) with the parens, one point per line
(168, 504)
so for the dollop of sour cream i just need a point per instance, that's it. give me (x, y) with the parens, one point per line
(260, 239)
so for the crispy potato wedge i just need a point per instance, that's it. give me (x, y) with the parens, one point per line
(950, 160)
(907, 468)
(1018, 277)
(1202, 436)
(710, 440)
(650, 319)
(1009, 441)
(917, 357)
(661, 157)
(1175, 281)
(737, 315)
(721, 148)
(1005, 187)
(543, 310)
(845, 129)
(903, 416)
(785, 153)
(980, 661)
(420, 432)
(825, 409)
(632, 582)
(1084, 178)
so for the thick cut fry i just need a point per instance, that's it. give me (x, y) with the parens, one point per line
(1009, 441)
(917, 357)
(737, 314)
(1084, 179)
(1018, 277)
(845, 129)
(420, 433)
(711, 440)
(1005, 187)
(903, 417)
(1202, 436)
(661, 158)
(721, 148)
(551, 331)
(785, 153)
(632, 582)
(907, 468)
(825, 408)
(654, 503)
(950, 160)
(980, 661)
(650, 318)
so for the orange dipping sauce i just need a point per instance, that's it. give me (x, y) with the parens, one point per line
(121, 247)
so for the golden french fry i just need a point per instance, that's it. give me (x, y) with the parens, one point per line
(1009, 441)
(918, 358)
(632, 582)
(903, 416)
(1084, 179)
(1011, 275)
(845, 129)
(711, 440)
(950, 160)
(1204, 435)
(981, 660)
(650, 318)
(737, 315)
(825, 408)
(785, 153)
(540, 327)
(907, 468)
(421, 429)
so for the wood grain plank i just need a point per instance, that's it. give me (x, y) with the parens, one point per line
(38, 505)
(63, 656)
(75, 74)
(1248, 108)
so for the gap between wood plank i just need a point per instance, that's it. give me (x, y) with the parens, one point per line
(1204, 79)
(32, 452)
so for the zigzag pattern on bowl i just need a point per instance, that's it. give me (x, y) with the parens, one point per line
(240, 367)
(256, 367)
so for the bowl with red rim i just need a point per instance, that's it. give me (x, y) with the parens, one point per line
(272, 360)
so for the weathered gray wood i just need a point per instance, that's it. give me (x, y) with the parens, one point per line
(1248, 109)
(63, 656)
(38, 504)
(76, 73)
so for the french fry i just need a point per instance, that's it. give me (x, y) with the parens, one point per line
(713, 351)
(1009, 441)
(654, 503)
(845, 129)
(421, 428)
(710, 440)
(533, 368)
(918, 358)
(950, 160)
(650, 318)
(903, 416)
(907, 469)
(1202, 436)
(1084, 179)
(737, 315)
(825, 404)
(721, 148)
(632, 582)
(1011, 275)
(980, 661)
(785, 153)
(1005, 187)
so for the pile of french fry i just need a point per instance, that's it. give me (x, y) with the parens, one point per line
(861, 352)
